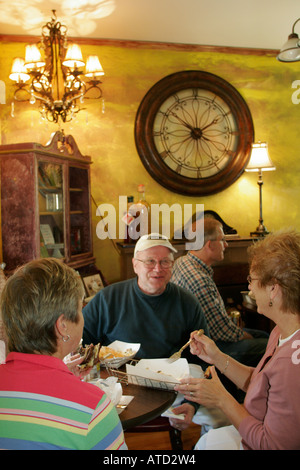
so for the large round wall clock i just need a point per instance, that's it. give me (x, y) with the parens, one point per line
(193, 133)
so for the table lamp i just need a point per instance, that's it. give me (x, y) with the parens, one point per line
(260, 161)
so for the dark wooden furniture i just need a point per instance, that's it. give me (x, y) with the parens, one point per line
(161, 424)
(45, 203)
(253, 319)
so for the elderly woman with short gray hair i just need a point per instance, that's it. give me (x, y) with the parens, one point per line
(43, 405)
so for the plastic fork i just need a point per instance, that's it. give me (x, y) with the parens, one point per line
(177, 355)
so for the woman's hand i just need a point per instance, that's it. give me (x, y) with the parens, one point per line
(212, 394)
(72, 362)
(204, 347)
(206, 392)
(188, 411)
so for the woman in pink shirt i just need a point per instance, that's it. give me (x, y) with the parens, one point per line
(269, 419)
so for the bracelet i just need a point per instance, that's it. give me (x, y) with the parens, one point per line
(227, 364)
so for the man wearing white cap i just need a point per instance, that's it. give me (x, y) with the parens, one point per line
(153, 275)
(147, 309)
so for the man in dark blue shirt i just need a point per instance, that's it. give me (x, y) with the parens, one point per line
(147, 309)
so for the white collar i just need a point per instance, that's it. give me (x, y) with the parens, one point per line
(282, 341)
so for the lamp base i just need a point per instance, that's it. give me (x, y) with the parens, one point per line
(260, 231)
(258, 234)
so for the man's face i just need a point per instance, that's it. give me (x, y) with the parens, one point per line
(218, 246)
(153, 280)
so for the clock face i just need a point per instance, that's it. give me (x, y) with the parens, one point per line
(193, 133)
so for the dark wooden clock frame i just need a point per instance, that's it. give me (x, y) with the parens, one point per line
(151, 158)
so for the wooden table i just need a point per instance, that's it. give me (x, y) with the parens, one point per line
(147, 404)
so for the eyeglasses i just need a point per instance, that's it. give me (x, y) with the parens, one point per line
(250, 279)
(151, 263)
(220, 240)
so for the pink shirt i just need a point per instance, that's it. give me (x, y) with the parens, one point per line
(43, 406)
(273, 398)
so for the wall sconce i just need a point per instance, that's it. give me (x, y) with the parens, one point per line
(290, 51)
(260, 161)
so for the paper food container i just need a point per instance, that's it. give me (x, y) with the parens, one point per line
(119, 353)
(157, 373)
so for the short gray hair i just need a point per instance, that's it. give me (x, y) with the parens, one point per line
(33, 299)
(209, 225)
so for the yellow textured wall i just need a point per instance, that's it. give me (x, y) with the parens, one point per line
(265, 84)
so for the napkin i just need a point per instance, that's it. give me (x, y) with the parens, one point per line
(2, 352)
(111, 387)
(194, 371)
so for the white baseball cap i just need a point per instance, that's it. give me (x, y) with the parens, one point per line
(153, 239)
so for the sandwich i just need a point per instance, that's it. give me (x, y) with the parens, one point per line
(90, 354)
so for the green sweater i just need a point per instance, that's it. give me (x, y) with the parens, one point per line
(162, 323)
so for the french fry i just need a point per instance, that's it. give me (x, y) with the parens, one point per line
(207, 373)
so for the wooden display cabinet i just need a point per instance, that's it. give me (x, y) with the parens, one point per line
(45, 203)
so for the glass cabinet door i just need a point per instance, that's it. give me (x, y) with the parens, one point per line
(80, 234)
(51, 210)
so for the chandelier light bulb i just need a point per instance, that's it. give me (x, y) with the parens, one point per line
(73, 57)
(33, 57)
(18, 71)
(93, 67)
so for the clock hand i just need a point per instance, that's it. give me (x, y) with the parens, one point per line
(192, 128)
(186, 124)
(214, 121)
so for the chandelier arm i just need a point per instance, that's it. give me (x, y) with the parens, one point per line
(70, 95)
(38, 85)
(75, 85)
(21, 88)
(40, 98)
(94, 85)
(76, 97)
(46, 96)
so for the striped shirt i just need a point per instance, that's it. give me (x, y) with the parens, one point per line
(44, 406)
(194, 275)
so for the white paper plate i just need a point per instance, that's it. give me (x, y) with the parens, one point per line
(158, 373)
(122, 347)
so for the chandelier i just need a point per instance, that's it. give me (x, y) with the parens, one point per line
(54, 69)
